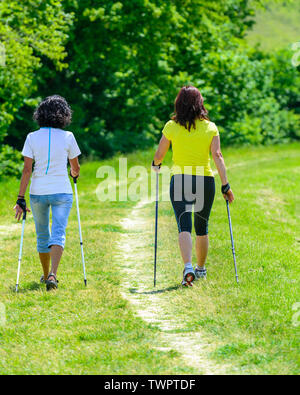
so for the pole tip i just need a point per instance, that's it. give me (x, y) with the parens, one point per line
(85, 283)
(17, 288)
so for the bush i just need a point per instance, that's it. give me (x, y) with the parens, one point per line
(11, 163)
(30, 33)
(249, 98)
(128, 59)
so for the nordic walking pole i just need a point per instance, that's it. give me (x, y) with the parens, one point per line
(232, 242)
(79, 226)
(21, 250)
(156, 227)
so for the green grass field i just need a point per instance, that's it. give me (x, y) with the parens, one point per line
(276, 27)
(120, 324)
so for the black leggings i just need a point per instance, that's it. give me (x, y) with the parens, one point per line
(188, 192)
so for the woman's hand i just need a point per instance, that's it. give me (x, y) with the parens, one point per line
(20, 207)
(229, 196)
(74, 174)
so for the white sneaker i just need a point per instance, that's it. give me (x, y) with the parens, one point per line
(201, 274)
(188, 277)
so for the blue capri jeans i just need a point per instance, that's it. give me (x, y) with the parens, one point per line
(61, 205)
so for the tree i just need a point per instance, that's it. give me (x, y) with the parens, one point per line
(30, 32)
(127, 60)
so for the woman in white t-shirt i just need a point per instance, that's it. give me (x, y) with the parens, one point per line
(50, 148)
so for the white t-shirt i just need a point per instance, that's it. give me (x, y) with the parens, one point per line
(50, 149)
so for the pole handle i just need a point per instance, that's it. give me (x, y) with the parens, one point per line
(74, 178)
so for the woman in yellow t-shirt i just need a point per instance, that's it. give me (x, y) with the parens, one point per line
(193, 137)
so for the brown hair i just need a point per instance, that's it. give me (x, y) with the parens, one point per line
(189, 107)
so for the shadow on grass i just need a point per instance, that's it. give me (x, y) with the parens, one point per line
(33, 286)
(154, 292)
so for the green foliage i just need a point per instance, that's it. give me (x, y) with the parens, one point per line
(286, 78)
(249, 94)
(127, 60)
(10, 162)
(30, 32)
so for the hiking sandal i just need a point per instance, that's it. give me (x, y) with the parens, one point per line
(52, 284)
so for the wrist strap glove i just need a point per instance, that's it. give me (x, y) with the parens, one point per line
(156, 166)
(22, 204)
(225, 189)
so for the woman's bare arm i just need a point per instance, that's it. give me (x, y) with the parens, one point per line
(27, 171)
(162, 150)
(218, 159)
(75, 167)
(220, 164)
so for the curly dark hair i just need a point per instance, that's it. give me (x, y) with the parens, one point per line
(54, 112)
(189, 107)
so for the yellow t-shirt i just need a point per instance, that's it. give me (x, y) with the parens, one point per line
(191, 149)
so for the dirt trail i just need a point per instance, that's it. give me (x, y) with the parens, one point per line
(153, 305)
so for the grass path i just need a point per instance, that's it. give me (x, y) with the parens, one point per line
(152, 305)
(246, 329)
(120, 324)
(74, 330)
